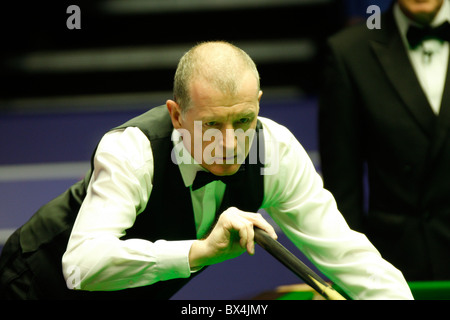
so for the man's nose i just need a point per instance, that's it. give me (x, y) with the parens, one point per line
(229, 141)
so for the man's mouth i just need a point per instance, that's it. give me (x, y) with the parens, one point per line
(225, 160)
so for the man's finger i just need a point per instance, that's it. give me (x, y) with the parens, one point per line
(244, 223)
(259, 221)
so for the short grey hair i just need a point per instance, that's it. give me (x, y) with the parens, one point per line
(219, 62)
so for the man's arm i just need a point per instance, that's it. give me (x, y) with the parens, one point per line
(308, 215)
(118, 191)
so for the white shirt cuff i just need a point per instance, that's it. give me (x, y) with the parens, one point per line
(173, 259)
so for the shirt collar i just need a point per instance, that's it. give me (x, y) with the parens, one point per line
(404, 22)
(443, 14)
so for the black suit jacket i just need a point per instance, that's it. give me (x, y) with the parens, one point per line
(375, 118)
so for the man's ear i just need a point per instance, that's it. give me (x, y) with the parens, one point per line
(175, 113)
(259, 99)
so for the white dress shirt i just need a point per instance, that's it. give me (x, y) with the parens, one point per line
(430, 59)
(293, 196)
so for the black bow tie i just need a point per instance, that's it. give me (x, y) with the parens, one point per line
(202, 178)
(416, 35)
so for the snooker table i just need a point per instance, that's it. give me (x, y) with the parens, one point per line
(430, 290)
(421, 290)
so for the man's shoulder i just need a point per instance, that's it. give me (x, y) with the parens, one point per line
(153, 114)
(360, 35)
(274, 128)
(351, 37)
(154, 123)
(276, 134)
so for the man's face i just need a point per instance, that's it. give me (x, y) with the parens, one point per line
(215, 121)
(421, 11)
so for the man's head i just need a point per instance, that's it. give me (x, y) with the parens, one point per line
(420, 11)
(218, 84)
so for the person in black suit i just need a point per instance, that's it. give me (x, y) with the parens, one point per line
(385, 115)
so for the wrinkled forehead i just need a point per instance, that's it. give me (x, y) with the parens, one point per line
(208, 101)
(243, 87)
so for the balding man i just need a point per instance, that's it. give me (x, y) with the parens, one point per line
(140, 225)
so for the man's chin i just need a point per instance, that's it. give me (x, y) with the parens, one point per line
(222, 169)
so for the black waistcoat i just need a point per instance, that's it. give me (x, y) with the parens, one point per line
(168, 215)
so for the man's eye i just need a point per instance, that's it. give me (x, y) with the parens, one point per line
(210, 123)
(244, 120)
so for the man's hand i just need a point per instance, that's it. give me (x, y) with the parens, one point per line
(231, 236)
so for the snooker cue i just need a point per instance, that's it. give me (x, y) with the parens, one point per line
(289, 260)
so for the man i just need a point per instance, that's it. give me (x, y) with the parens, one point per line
(385, 108)
(143, 227)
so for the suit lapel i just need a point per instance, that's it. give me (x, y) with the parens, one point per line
(444, 115)
(443, 123)
(395, 62)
